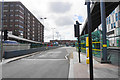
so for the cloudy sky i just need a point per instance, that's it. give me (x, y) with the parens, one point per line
(61, 15)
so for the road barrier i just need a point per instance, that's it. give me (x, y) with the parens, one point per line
(11, 54)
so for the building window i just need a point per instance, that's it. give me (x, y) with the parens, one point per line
(28, 34)
(28, 14)
(21, 32)
(5, 15)
(21, 17)
(11, 10)
(11, 5)
(28, 37)
(21, 7)
(116, 15)
(16, 10)
(111, 26)
(114, 25)
(17, 4)
(5, 5)
(11, 15)
(5, 20)
(10, 25)
(113, 18)
(28, 25)
(113, 12)
(119, 15)
(109, 20)
(16, 15)
(28, 29)
(21, 21)
(5, 11)
(11, 20)
(21, 26)
(16, 25)
(16, 20)
(5, 25)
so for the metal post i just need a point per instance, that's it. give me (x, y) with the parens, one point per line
(1, 55)
(103, 21)
(53, 32)
(90, 40)
(79, 48)
(77, 23)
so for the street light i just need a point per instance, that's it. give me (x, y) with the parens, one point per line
(53, 32)
(43, 19)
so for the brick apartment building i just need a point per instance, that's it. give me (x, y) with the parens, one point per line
(21, 22)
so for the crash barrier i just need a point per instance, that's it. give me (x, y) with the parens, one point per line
(15, 47)
(11, 54)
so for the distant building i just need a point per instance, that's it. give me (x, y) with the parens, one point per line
(64, 42)
(21, 22)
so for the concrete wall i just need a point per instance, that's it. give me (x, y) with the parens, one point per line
(17, 53)
(15, 47)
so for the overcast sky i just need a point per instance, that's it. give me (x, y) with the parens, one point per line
(60, 14)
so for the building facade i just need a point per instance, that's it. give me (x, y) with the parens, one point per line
(64, 42)
(113, 27)
(19, 21)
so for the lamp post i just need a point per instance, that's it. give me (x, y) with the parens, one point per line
(43, 23)
(53, 32)
(43, 19)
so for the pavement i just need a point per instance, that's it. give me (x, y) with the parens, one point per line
(101, 71)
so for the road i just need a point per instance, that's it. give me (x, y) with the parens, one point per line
(47, 64)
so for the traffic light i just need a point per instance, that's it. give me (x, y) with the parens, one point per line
(5, 34)
(76, 30)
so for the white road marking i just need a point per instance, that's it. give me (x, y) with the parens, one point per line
(41, 59)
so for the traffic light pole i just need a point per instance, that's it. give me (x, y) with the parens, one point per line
(77, 23)
(90, 40)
